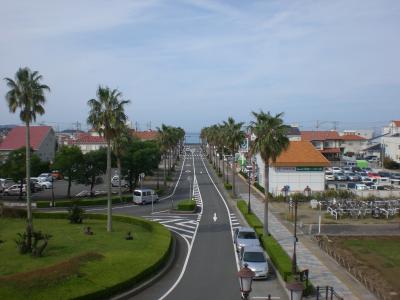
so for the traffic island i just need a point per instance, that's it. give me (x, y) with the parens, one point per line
(79, 265)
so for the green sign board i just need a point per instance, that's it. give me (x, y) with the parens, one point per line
(309, 169)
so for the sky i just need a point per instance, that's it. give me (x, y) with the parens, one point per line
(194, 63)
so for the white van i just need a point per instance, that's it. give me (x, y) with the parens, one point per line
(115, 182)
(143, 196)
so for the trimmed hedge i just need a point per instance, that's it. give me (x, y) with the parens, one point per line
(187, 205)
(83, 202)
(106, 293)
(228, 186)
(259, 187)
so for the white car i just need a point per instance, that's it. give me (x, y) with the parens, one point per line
(329, 176)
(15, 189)
(46, 176)
(45, 184)
(115, 181)
(336, 170)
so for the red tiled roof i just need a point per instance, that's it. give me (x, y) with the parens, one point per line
(85, 138)
(301, 153)
(145, 135)
(16, 137)
(319, 135)
(330, 150)
(397, 123)
(352, 137)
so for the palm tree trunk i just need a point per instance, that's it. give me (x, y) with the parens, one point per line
(119, 178)
(233, 178)
(29, 227)
(109, 210)
(69, 185)
(266, 191)
(223, 168)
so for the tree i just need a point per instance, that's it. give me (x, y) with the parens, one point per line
(69, 160)
(106, 116)
(139, 157)
(93, 165)
(234, 138)
(270, 142)
(15, 168)
(27, 93)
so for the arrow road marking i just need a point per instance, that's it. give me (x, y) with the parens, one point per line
(215, 217)
(188, 171)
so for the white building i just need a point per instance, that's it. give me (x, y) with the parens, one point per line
(391, 146)
(87, 142)
(352, 143)
(364, 133)
(392, 128)
(301, 165)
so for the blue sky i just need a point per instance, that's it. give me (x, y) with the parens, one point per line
(192, 63)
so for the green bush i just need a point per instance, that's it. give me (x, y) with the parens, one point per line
(75, 214)
(186, 205)
(228, 186)
(259, 187)
(12, 212)
(389, 163)
(243, 174)
(83, 201)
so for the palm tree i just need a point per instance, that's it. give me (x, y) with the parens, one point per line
(26, 92)
(106, 116)
(235, 136)
(270, 142)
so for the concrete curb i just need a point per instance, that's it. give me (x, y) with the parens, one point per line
(144, 285)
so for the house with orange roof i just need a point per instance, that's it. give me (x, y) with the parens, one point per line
(393, 128)
(86, 142)
(353, 144)
(42, 141)
(326, 142)
(149, 135)
(301, 165)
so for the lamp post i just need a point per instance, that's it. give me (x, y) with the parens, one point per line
(52, 187)
(285, 191)
(248, 204)
(246, 279)
(294, 258)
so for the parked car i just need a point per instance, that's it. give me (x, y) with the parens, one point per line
(2, 184)
(255, 259)
(340, 176)
(351, 185)
(329, 176)
(36, 184)
(143, 196)
(336, 170)
(47, 176)
(115, 181)
(56, 175)
(342, 186)
(361, 187)
(356, 169)
(15, 189)
(366, 179)
(245, 236)
(353, 177)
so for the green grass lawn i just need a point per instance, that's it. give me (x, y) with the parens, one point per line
(75, 264)
(381, 254)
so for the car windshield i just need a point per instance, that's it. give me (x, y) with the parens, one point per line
(254, 257)
(246, 235)
(137, 193)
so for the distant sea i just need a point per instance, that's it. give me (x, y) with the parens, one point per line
(192, 138)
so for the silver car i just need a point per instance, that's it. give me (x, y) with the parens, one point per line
(255, 259)
(245, 237)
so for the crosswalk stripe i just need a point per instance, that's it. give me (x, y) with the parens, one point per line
(179, 229)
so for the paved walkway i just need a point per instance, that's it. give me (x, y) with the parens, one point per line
(320, 274)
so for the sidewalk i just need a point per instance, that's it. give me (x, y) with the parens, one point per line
(324, 271)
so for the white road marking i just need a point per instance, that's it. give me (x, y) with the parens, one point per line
(215, 217)
(189, 251)
(180, 229)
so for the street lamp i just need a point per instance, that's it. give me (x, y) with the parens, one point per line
(294, 258)
(295, 289)
(52, 187)
(285, 191)
(246, 279)
(248, 204)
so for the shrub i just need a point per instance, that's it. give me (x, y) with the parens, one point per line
(75, 214)
(83, 202)
(12, 212)
(39, 243)
(243, 174)
(389, 163)
(228, 186)
(259, 187)
(187, 205)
